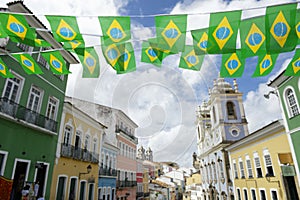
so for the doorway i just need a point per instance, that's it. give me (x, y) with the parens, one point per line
(41, 178)
(19, 178)
(290, 187)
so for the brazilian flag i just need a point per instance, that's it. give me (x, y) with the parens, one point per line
(266, 63)
(222, 32)
(171, 32)
(90, 63)
(293, 69)
(74, 44)
(297, 27)
(112, 52)
(200, 39)
(4, 71)
(253, 37)
(280, 25)
(232, 65)
(115, 29)
(126, 62)
(3, 34)
(41, 43)
(28, 63)
(17, 28)
(189, 59)
(64, 28)
(56, 62)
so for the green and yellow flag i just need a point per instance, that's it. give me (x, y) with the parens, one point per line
(115, 29)
(64, 28)
(222, 32)
(232, 65)
(200, 39)
(112, 52)
(56, 62)
(74, 44)
(90, 63)
(297, 27)
(253, 37)
(265, 64)
(4, 71)
(171, 32)
(41, 43)
(293, 69)
(3, 34)
(126, 62)
(28, 63)
(280, 26)
(189, 59)
(17, 28)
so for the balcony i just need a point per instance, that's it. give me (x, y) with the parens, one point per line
(126, 132)
(22, 113)
(71, 151)
(122, 184)
(107, 171)
(140, 194)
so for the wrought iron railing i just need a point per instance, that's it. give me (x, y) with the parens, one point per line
(22, 113)
(71, 151)
(107, 171)
(126, 183)
(125, 131)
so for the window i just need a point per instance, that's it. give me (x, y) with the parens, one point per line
(291, 102)
(274, 195)
(68, 135)
(268, 163)
(242, 171)
(3, 157)
(99, 194)
(235, 170)
(230, 110)
(41, 60)
(253, 194)
(249, 167)
(82, 190)
(73, 186)
(61, 188)
(87, 142)
(257, 166)
(91, 191)
(108, 193)
(214, 114)
(262, 195)
(95, 145)
(52, 108)
(215, 171)
(238, 194)
(221, 169)
(35, 98)
(25, 48)
(12, 90)
(78, 140)
(245, 194)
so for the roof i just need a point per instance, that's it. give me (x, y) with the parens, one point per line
(278, 80)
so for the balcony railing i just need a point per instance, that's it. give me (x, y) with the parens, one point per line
(126, 183)
(140, 194)
(107, 171)
(124, 130)
(22, 113)
(71, 151)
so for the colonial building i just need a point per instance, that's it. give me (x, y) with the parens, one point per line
(193, 187)
(75, 174)
(30, 111)
(120, 132)
(262, 165)
(287, 89)
(221, 121)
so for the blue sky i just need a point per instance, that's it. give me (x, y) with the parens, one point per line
(163, 101)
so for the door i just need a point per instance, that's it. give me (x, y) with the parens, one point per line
(60, 194)
(19, 180)
(41, 178)
(290, 187)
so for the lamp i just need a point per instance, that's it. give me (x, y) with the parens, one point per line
(88, 169)
(267, 96)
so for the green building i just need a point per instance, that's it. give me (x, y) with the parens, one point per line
(287, 88)
(30, 113)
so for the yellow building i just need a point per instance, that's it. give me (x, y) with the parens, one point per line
(75, 174)
(262, 165)
(193, 187)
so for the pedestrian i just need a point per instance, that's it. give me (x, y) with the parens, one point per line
(25, 192)
(36, 189)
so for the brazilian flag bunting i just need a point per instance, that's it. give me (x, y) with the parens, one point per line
(232, 65)
(280, 26)
(56, 62)
(293, 69)
(28, 63)
(74, 44)
(126, 62)
(112, 52)
(41, 43)
(200, 39)
(90, 63)
(297, 27)
(17, 28)
(3, 34)
(4, 71)
(222, 32)
(115, 29)
(253, 37)
(266, 63)
(150, 54)
(64, 28)
(171, 32)
(189, 59)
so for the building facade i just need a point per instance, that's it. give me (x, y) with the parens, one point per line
(75, 174)
(221, 121)
(30, 111)
(193, 187)
(260, 167)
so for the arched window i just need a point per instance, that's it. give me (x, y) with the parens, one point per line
(214, 114)
(230, 110)
(68, 135)
(291, 102)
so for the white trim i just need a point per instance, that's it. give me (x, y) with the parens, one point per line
(40, 96)
(265, 153)
(99, 195)
(15, 165)
(236, 190)
(2, 169)
(20, 90)
(246, 189)
(274, 189)
(65, 186)
(76, 186)
(56, 106)
(262, 189)
(93, 191)
(294, 158)
(253, 189)
(60, 136)
(288, 108)
(46, 175)
(84, 194)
